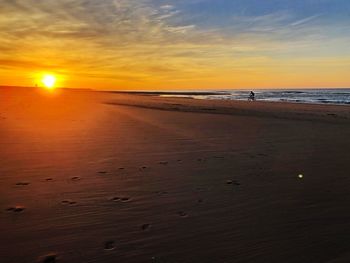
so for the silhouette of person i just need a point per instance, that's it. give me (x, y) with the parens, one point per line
(252, 96)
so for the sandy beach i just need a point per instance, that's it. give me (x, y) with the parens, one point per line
(91, 176)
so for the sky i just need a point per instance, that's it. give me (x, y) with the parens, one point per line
(180, 44)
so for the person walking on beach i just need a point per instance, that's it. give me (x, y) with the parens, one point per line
(251, 96)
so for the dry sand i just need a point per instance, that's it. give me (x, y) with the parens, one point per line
(101, 177)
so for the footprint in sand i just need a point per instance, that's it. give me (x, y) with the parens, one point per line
(102, 172)
(68, 202)
(115, 199)
(48, 179)
(202, 189)
(22, 183)
(121, 168)
(332, 114)
(182, 214)
(163, 163)
(145, 227)
(233, 182)
(109, 245)
(143, 168)
(162, 192)
(49, 258)
(120, 199)
(76, 178)
(16, 209)
(125, 199)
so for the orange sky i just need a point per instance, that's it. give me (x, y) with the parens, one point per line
(146, 45)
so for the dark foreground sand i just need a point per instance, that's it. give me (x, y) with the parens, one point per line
(101, 177)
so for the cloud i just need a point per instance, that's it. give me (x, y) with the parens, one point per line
(167, 7)
(140, 40)
(305, 20)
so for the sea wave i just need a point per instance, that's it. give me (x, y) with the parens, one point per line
(314, 96)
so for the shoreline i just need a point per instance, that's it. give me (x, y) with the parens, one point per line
(325, 112)
(191, 94)
(242, 95)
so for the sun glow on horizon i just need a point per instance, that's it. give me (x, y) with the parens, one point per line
(49, 81)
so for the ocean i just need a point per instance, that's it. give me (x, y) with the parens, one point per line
(315, 96)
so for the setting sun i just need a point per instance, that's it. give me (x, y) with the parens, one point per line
(49, 81)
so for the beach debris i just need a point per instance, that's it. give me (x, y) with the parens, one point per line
(109, 245)
(48, 179)
(49, 258)
(102, 172)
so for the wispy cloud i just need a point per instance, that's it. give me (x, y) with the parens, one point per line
(305, 20)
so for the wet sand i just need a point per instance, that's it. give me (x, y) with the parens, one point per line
(100, 177)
